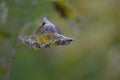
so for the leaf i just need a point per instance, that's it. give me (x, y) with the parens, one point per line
(45, 36)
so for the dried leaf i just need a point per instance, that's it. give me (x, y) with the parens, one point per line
(45, 36)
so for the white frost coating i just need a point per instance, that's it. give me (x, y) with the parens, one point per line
(20, 37)
(48, 24)
(24, 41)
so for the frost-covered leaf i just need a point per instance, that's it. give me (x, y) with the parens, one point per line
(45, 36)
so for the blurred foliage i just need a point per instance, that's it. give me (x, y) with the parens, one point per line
(95, 55)
(65, 10)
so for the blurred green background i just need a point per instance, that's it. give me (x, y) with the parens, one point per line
(95, 55)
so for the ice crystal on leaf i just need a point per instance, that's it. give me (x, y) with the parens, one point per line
(45, 36)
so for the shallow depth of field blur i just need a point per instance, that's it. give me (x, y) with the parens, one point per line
(94, 55)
